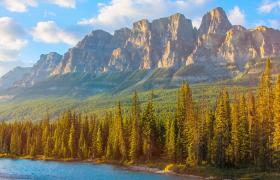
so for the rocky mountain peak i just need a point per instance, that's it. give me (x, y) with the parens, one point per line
(7, 81)
(215, 22)
(49, 59)
(262, 28)
(120, 36)
(142, 26)
(94, 39)
(41, 70)
(168, 43)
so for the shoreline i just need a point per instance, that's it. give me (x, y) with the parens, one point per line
(124, 166)
(166, 169)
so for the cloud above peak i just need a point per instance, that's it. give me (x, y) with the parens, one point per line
(22, 5)
(119, 13)
(12, 39)
(237, 16)
(50, 32)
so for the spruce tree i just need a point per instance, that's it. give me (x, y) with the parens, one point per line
(276, 120)
(253, 128)
(149, 128)
(135, 137)
(73, 138)
(170, 142)
(265, 116)
(221, 139)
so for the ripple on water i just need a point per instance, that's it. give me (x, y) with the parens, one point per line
(28, 169)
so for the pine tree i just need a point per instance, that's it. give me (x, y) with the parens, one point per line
(233, 148)
(179, 125)
(119, 144)
(253, 128)
(276, 133)
(191, 128)
(99, 142)
(14, 146)
(135, 137)
(48, 147)
(264, 113)
(149, 128)
(82, 147)
(170, 142)
(73, 138)
(243, 132)
(221, 139)
(210, 121)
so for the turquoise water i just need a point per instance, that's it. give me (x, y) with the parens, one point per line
(28, 169)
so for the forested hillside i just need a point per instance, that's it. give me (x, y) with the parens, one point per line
(238, 132)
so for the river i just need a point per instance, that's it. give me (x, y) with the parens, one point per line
(29, 169)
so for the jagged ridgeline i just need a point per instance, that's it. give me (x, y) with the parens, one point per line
(150, 54)
(238, 132)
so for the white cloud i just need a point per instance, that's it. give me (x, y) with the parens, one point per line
(64, 3)
(22, 5)
(18, 5)
(267, 7)
(119, 13)
(11, 41)
(236, 16)
(49, 32)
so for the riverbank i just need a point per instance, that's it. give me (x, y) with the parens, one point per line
(160, 167)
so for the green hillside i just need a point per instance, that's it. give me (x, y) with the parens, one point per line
(90, 93)
(165, 98)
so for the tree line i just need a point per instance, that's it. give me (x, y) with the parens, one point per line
(241, 131)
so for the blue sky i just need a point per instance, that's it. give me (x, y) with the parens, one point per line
(29, 28)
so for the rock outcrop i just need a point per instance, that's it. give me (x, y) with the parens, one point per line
(216, 49)
(242, 45)
(162, 43)
(40, 71)
(7, 81)
(211, 35)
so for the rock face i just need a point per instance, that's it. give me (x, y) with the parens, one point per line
(241, 45)
(216, 49)
(172, 42)
(7, 81)
(41, 70)
(214, 22)
(211, 35)
(89, 55)
(163, 43)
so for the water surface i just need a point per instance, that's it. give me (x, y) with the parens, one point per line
(28, 169)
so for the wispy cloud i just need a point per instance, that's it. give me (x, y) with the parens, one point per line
(12, 39)
(269, 6)
(50, 32)
(64, 3)
(237, 16)
(119, 13)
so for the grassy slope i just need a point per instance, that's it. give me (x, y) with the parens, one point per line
(89, 93)
(165, 100)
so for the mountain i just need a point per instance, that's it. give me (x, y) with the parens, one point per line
(7, 81)
(154, 54)
(41, 70)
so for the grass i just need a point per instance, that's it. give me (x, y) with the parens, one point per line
(164, 100)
